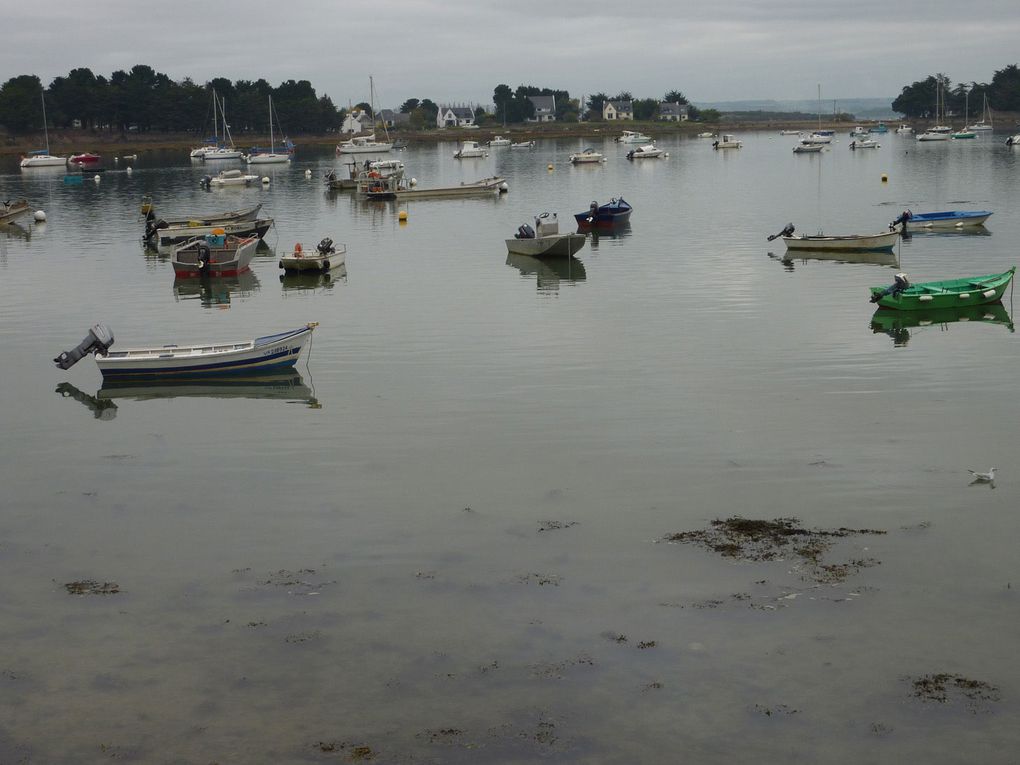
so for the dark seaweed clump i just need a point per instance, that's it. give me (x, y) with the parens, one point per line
(942, 686)
(92, 587)
(780, 538)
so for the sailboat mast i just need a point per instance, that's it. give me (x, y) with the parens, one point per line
(272, 143)
(46, 129)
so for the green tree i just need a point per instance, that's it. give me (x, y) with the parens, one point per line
(675, 97)
(20, 104)
(646, 108)
(409, 105)
(1004, 89)
(594, 105)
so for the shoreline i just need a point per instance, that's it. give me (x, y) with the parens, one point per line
(68, 141)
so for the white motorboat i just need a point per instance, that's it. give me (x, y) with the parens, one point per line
(808, 148)
(936, 133)
(849, 242)
(647, 151)
(588, 156)
(470, 149)
(727, 141)
(228, 178)
(864, 143)
(523, 145)
(42, 157)
(499, 141)
(633, 136)
(791, 132)
(706, 134)
(905, 129)
(816, 138)
(181, 362)
(325, 257)
(545, 239)
(1013, 140)
(858, 130)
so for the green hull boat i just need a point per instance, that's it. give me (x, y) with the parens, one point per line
(888, 320)
(950, 293)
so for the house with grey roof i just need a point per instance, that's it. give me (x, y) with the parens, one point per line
(545, 108)
(392, 119)
(455, 116)
(673, 112)
(618, 110)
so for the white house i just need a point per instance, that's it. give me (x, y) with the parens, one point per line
(618, 110)
(673, 112)
(455, 116)
(355, 122)
(545, 108)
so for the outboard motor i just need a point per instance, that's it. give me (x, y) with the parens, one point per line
(98, 340)
(900, 283)
(524, 231)
(204, 256)
(593, 211)
(325, 247)
(788, 231)
(153, 227)
(206, 182)
(907, 215)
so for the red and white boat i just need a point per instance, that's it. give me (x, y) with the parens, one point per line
(84, 160)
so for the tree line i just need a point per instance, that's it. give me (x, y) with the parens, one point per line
(145, 100)
(514, 106)
(919, 98)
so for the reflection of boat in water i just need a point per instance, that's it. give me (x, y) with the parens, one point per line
(897, 324)
(216, 291)
(608, 235)
(287, 386)
(311, 280)
(549, 271)
(877, 258)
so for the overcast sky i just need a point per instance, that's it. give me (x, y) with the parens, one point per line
(457, 51)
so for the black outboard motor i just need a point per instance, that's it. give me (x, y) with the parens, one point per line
(206, 182)
(98, 340)
(203, 257)
(900, 283)
(593, 211)
(788, 231)
(525, 231)
(153, 227)
(325, 247)
(907, 215)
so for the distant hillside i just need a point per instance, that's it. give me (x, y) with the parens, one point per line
(863, 108)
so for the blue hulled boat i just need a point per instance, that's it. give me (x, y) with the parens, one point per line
(616, 210)
(948, 219)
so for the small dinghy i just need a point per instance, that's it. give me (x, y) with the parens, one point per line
(845, 243)
(949, 293)
(544, 239)
(12, 210)
(945, 220)
(214, 255)
(609, 214)
(325, 257)
(180, 362)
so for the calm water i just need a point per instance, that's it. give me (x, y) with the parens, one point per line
(431, 543)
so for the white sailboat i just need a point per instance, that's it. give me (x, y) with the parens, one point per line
(43, 158)
(221, 151)
(271, 157)
(367, 144)
(938, 131)
(985, 123)
(818, 138)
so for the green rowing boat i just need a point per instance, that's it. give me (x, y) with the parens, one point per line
(949, 293)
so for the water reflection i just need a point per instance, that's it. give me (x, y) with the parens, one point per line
(897, 324)
(962, 231)
(548, 271)
(789, 259)
(218, 292)
(288, 386)
(16, 231)
(313, 280)
(606, 234)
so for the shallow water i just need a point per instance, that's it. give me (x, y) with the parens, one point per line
(431, 544)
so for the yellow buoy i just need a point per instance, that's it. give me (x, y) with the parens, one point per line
(885, 178)
(402, 215)
(550, 166)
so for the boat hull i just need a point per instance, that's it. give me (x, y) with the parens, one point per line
(44, 161)
(11, 211)
(952, 219)
(223, 261)
(168, 237)
(483, 188)
(555, 245)
(950, 293)
(851, 243)
(269, 159)
(264, 354)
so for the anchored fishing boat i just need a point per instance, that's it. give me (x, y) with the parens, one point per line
(214, 255)
(325, 257)
(948, 219)
(615, 211)
(848, 242)
(544, 239)
(647, 151)
(949, 293)
(167, 236)
(587, 156)
(180, 362)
